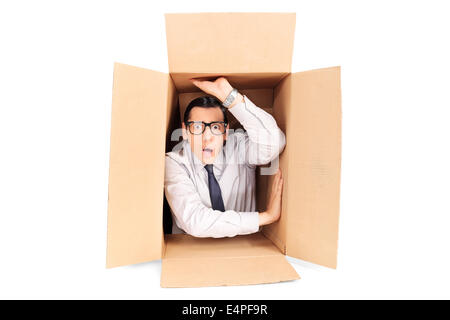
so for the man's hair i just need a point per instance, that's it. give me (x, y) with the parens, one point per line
(205, 102)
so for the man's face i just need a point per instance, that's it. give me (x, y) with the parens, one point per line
(206, 146)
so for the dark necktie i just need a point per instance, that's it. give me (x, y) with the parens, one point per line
(214, 190)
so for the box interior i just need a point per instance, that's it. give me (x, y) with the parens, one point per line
(247, 84)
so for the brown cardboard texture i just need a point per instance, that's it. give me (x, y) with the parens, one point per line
(147, 107)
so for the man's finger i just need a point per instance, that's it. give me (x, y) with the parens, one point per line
(275, 180)
(275, 184)
(278, 187)
(280, 182)
(273, 192)
(195, 82)
(274, 187)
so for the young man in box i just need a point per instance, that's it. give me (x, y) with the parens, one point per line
(210, 178)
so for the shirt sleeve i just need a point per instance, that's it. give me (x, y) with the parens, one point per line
(263, 140)
(194, 217)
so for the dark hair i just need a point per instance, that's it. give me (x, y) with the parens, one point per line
(205, 102)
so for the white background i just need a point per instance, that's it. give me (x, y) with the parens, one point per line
(56, 67)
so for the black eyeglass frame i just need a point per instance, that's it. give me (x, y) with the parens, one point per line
(207, 124)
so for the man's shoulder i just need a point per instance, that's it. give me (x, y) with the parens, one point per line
(178, 153)
(177, 166)
(177, 159)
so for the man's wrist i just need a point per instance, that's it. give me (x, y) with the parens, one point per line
(224, 92)
(239, 98)
(264, 218)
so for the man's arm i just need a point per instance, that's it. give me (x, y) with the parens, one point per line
(264, 140)
(194, 217)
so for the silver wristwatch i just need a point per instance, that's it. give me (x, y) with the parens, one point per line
(229, 100)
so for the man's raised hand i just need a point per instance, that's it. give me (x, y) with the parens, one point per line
(220, 88)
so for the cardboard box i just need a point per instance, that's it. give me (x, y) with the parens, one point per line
(254, 52)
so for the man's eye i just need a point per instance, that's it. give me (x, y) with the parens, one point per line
(216, 127)
(197, 126)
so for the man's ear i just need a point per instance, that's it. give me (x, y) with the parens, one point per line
(183, 130)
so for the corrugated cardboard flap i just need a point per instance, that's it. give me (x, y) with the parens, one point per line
(312, 199)
(242, 260)
(136, 171)
(230, 42)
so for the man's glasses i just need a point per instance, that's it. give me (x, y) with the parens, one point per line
(198, 127)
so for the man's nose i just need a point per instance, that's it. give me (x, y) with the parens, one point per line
(207, 135)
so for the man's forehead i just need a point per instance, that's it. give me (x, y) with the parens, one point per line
(206, 114)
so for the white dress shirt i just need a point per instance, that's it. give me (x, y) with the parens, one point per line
(186, 179)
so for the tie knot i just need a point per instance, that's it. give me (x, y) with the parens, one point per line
(209, 168)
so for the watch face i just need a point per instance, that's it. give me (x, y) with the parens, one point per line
(230, 97)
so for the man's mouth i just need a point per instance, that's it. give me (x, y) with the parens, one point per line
(207, 152)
